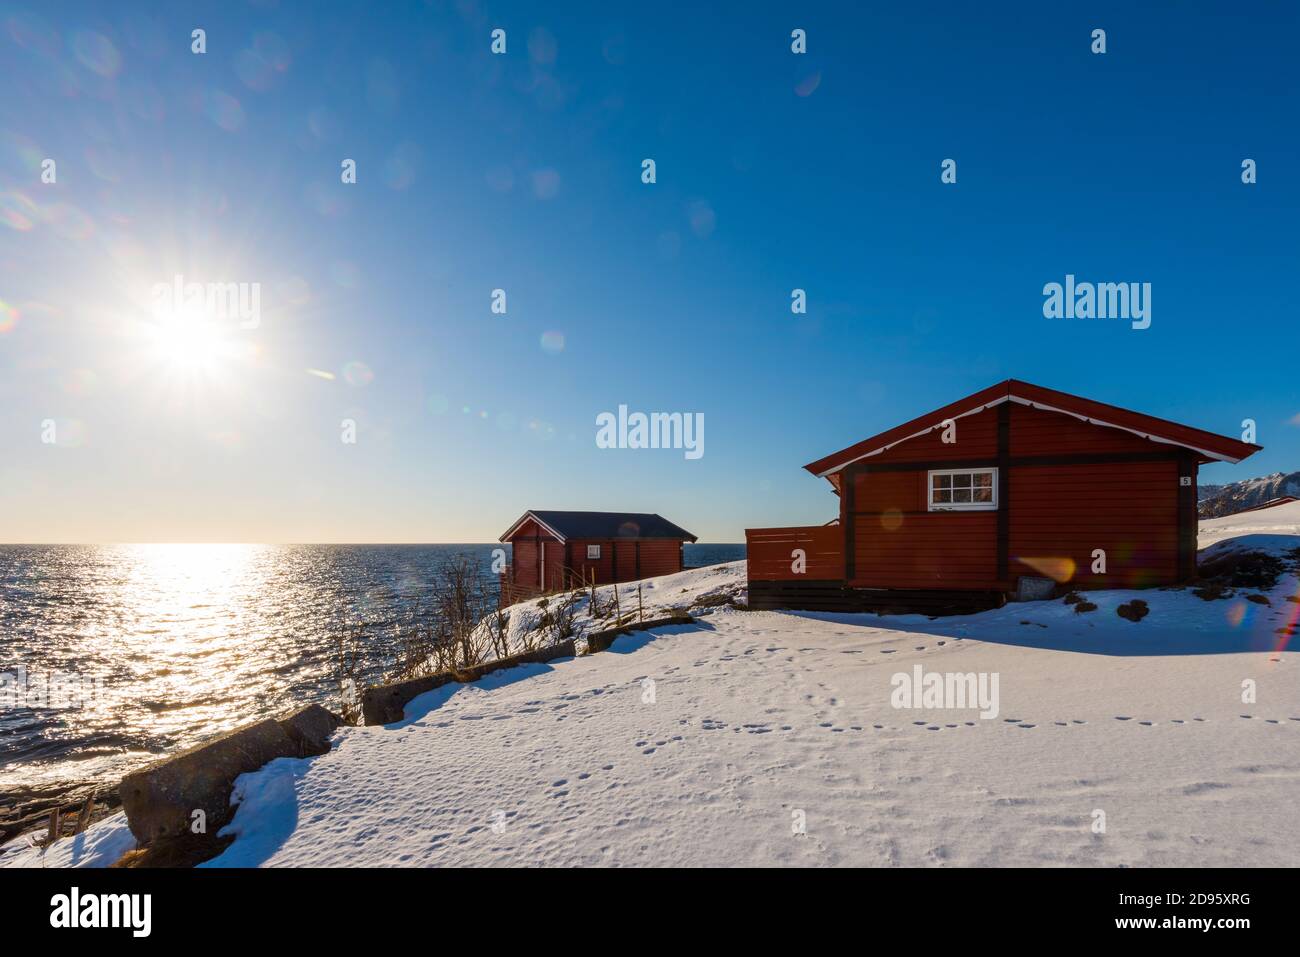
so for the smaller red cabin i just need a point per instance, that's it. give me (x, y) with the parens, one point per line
(553, 551)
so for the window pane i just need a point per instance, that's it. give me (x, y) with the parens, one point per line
(942, 496)
(984, 495)
(942, 481)
(961, 495)
(961, 481)
(984, 479)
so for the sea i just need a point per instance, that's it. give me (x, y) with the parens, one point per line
(113, 655)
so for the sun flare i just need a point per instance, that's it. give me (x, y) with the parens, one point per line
(195, 344)
(189, 344)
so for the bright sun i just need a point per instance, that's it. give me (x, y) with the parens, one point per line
(189, 343)
(192, 344)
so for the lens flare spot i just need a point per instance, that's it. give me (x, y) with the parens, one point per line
(399, 168)
(96, 53)
(808, 85)
(67, 433)
(357, 373)
(68, 221)
(546, 183)
(104, 163)
(8, 317)
(891, 519)
(259, 66)
(1057, 569)
(20, 154)
(224, 110)
(1236, 613)
(18, 212)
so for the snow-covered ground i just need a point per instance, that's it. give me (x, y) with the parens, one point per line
(1280, 520)
(770, 738)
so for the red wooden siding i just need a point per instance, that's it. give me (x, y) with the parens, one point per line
(768, 552)
(553, 570)
(1060, 514)
(658, 557)
(1059, 511)
(567, 564)
(976, 436)
(635, 559)
(627, 555)
(584, 567)
(925, 550)
(525, 551)
(1038, 432)
(1066, 487)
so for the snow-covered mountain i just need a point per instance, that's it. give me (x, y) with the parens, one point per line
(1218, 500)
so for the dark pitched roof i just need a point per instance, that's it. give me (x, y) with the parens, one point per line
(1207, 445)
(571, 525)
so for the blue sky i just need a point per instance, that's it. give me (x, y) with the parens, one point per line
(775, 171)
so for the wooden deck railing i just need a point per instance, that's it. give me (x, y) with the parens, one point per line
(770, 553)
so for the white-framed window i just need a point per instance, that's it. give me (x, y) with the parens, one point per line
(962, 490)
(593, 551)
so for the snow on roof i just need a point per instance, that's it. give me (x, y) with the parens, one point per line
(1208, 445)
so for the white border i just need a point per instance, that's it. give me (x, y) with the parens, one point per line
(525, 517)
(960, 506)
(1035, 405)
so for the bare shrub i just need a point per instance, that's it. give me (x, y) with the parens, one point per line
(350, 648)
(556, 623)
(461, 598)
(415, 648)
(498, 625)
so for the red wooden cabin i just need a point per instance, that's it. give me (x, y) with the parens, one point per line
(950, 510)
(558, 550)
